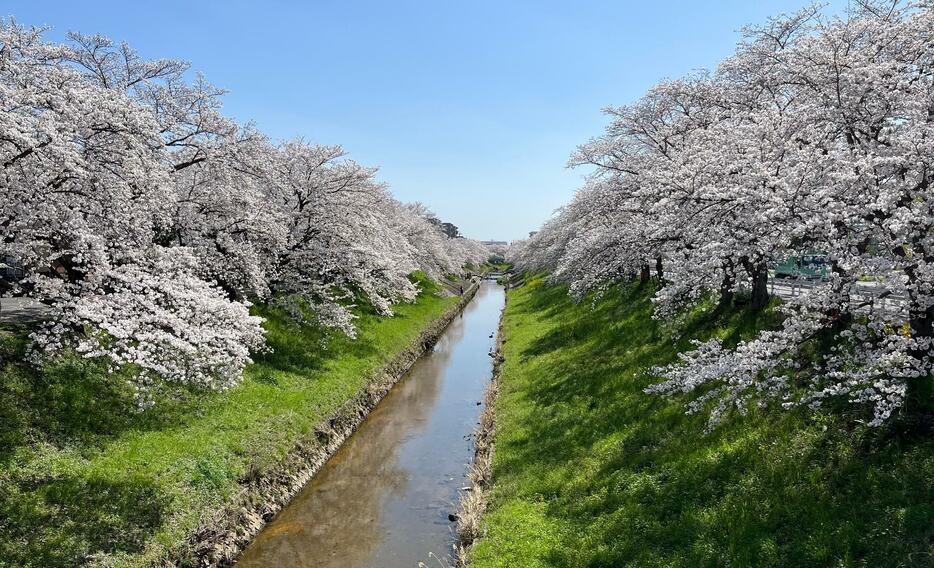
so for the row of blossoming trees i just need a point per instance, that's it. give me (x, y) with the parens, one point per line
(147, 220)
(816, 135)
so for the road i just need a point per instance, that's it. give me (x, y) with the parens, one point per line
(19, 310)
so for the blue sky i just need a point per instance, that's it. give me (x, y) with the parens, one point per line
(469, 107)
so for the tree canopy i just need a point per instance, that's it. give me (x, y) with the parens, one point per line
(816, 135)
(148, 221)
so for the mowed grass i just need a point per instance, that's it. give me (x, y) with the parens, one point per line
(590, 471)
(85, 478)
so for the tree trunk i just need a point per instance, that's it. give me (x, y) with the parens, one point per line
(760, 288)
(759, 272)
(726, 286)
(920, 395)
(644, 273)
(659, 271)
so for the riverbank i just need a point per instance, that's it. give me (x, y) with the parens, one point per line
(473, 502)
(85, 479)
(385, 498)
(590, 471)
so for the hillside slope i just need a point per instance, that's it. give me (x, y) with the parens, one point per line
(590, 471)
(85, 478)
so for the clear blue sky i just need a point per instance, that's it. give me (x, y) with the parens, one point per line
(470, 107)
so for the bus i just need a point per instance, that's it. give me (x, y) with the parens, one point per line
(809, 266)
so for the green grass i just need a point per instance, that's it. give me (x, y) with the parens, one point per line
(84, 477)
(590, 471)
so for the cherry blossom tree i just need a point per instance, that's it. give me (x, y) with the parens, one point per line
(148, 221)
(85, 195)
(856, 185)
(814, 136)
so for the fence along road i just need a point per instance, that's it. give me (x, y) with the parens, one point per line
(867, 296)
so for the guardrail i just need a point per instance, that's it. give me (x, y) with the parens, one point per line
(867, 295)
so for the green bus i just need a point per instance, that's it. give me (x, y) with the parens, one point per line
(809, 266)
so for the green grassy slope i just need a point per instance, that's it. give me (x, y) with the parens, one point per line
(83, 476)
(590, 471)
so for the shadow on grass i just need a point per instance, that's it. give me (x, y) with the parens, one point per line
(75, 402)
(304, 349)
(73, 405)
(59, 522)
(71, 401)
(633, 481)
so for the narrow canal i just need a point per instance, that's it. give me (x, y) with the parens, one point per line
(384, 498)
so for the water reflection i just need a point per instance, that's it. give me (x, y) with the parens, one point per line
(383, 499)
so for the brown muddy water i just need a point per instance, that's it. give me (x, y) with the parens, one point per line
(384, 498)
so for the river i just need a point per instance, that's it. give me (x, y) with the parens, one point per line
(384, 498)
